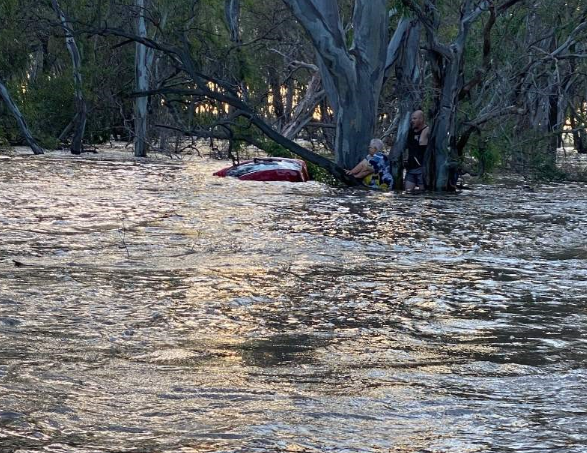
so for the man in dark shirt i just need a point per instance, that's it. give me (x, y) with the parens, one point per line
(417, 143)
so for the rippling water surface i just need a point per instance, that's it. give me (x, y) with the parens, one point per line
(150, 307)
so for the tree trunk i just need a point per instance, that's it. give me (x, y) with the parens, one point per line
(446, 62)
(408, 76)
(441, 155)
(142, 84)
(355, 123)
(276, 97)
(553, 125)
(232, 16)
(289, 99)
(305, 108)
(352, 77)
(20, 120)
(79, 121)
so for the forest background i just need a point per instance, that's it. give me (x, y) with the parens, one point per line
(502, 82)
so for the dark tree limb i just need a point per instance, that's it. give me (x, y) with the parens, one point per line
(5, 95)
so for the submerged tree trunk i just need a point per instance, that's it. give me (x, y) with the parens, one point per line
(355, 123)
(142, 84)
(79, 121)
(19, 119)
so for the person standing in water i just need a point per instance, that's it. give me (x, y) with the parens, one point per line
(417, 143)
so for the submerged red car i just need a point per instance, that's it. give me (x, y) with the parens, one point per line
(268, 169)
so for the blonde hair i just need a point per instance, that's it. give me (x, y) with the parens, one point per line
(377, 144)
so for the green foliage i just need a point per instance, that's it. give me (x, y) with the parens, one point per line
(531, 153)
(3, 140)
(487, 153)
(541, 159)
(546, 170)
(47, 141)
(48, 107)
(13, 56)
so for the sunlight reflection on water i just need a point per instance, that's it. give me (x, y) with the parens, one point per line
(151, 307)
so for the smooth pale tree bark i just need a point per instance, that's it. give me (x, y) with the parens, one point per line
(80, 118)
(232, 15)
(352, 76)
(141, 84)
(19, 119)
(232, 10)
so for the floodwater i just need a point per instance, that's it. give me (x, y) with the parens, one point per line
(150, 307)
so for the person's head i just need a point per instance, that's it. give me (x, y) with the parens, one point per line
(417, 120)
(376, 146)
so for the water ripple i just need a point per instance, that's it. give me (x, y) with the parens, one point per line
(149, 307)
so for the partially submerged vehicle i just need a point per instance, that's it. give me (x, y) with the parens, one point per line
(268, 169)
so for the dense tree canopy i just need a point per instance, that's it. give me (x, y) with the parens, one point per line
(498, 80)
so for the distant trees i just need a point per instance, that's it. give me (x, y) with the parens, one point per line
(12, 61)
(79, 121)
(499, 80)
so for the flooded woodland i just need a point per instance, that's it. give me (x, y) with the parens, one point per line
(147, 306)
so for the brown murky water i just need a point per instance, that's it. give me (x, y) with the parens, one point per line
(155, 308)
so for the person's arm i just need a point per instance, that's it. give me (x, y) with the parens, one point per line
(424, 136)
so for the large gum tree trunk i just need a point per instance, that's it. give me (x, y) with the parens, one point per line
(142, 84)
(355, 123)
(79, 121)
(352, 76)
(19, 119)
